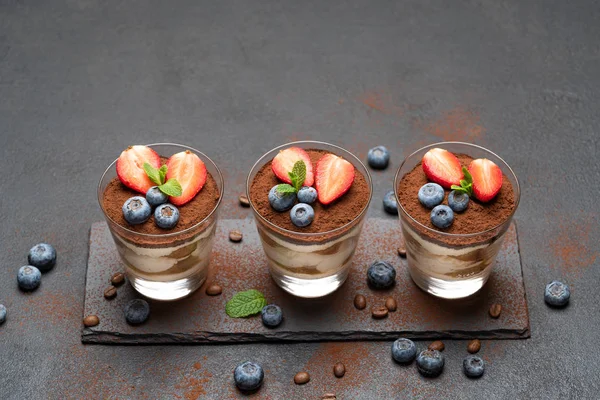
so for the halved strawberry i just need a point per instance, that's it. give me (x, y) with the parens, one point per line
(487, 179)
(442, 167)
(285, 160)
(190, 172)
(334, 177)
(130, 167)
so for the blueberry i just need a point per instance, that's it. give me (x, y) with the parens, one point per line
(389, 203)
(42, 256)
(378, 157)
(29, 277)
(307, 195)
(271, 315)
(166, 216)
(557, 294)
(381, 275)
(248, 376)
(458, 201)
(2, 314)
(302, 215)
(431, 194)
(281, 201)
(473, 366)
(430, 363)
(137, 311)
(155, 197)
(404, 351)
(136, 210)
(442, 216)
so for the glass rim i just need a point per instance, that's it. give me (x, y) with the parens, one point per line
(309, 234)
(165, 235)
(458, 235)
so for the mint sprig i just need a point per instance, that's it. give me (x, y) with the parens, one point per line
(466, 185)
(158, 177)
(297, 176)
(244, 304)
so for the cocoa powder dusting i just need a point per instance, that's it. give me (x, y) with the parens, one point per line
(327, 218)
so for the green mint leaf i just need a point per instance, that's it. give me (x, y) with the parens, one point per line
(285, 188)
(464, 183)
(293, 178)
(299, 170)
(460, 189)
(171, 188)
(467, 174)
(152, 173)
(163, 174)
(244, 304)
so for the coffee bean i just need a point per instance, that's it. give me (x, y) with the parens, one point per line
(110, 292)
(495, 310)
(244, 202)
(474, 346)
(329, 396)
(402, 251)
(301, 378)
(235, 236)
(339, 370)
(214, 290)
(379, 312)
(117, 279)
(360, 302)
(390, 304)
(437, 345)
(91, 320)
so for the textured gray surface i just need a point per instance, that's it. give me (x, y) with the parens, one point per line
(82, 79)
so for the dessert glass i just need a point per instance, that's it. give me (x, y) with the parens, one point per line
(448, 265)
(309, 265)
(172, 265)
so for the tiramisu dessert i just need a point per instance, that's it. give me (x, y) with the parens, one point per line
(160, 202)
(309, 200)
(456, 203)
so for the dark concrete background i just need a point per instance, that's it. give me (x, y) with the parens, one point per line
(82, 79)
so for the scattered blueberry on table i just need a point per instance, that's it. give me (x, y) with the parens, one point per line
(166, 216)
(302, 215)
(473, 366)
(404, 351)
(390, 205)
(248, 376)
(136, 210)
(271, 315)
(137, 311)
(29, 277)
(307, 195)
(430, 363)
(155, 197)
(431, 195)
(42, 256)
(281, 201)
(378, 157)
(381, 275)
(442, 216)
(458, 201)
(2, 314)
(557, 294)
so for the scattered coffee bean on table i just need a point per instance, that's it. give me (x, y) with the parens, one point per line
(214, 290)
(235, 236)
(91, 320)
(391, 304)
(110, 292)
(379, 312)
(402, 251)
(117, 279)
(329, 396)
(437, 345)
(474, 346)
(339, 370)
(301, 378)
(360, 302)
(244, 202)
(495, 310)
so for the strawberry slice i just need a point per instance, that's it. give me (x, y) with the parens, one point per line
(190, 172)
(442, 167)
(487, 179)
(130, 167)
(334, 177)
(285, 160)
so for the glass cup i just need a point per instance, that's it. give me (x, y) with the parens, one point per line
(172, 265)
(309, 265)
(448, 265)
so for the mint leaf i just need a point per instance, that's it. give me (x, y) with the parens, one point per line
(285, 188)
(244, 304)
(171, 188)
(299, 170)
(163, 173)
(152, 173)
(467, 174)
(466, 185)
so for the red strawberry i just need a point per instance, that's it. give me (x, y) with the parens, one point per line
(442, 167)
(190, 172)
(334, 177)
(285, 160)
(130, 167)
(487, 179)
